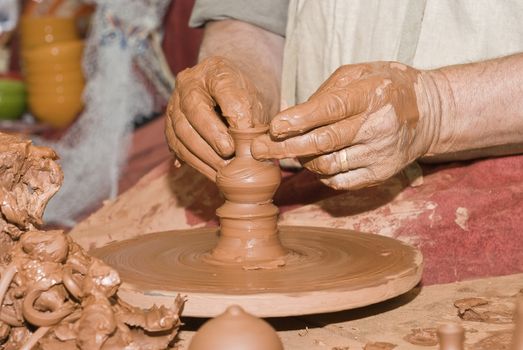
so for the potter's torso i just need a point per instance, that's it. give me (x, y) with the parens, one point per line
(322, 35)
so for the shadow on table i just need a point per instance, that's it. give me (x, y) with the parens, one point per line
(297, 323)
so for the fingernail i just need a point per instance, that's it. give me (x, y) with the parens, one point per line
(225, 146)
(259, 149)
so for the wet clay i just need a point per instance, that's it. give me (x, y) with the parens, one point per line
(252, 262)
(331, 270)
(451, 336)
(53, 295)
(248, 231)
(29, 177)
(236, 330)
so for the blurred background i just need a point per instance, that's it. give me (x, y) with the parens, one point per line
(92, 79)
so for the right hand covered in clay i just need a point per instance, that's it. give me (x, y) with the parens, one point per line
(195, 130)
(362, 126)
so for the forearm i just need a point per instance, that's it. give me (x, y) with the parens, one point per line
(481, 110)
(256, 52)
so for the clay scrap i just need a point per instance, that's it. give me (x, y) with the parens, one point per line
(53, 295)
(489, 310)
(422, 337)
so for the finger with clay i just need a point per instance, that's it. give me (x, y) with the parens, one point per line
(209, 98)
(362, 126)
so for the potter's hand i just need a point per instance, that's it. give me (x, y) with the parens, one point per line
(363, 125)
(195, 131)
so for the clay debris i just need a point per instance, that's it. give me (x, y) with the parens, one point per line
(53, 295)
(379, 346)
(490, 310)
(422, 336)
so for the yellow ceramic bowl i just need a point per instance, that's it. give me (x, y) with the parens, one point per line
(38, 31)
(50, 90)
(70, 51)
(47, 86)
(42, 79)
(51, 68)
(58, 111)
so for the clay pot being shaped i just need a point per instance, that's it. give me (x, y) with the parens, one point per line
(248, 230)
(236, 330)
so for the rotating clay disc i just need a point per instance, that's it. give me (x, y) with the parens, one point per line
(326, 270)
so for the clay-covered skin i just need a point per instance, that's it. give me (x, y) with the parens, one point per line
(204, 94)
(364, 124)
(236, 329)
(53, 295)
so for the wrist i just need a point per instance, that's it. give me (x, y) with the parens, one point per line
(436, 111)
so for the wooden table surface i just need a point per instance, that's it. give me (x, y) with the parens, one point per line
(421, 310)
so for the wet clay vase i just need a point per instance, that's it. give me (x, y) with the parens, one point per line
(235, 329)
(248, 230)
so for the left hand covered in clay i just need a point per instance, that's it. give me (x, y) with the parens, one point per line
(362, 126)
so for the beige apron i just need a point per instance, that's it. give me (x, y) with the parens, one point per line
(324, 34)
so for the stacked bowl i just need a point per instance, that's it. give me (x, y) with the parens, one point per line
(51, 62)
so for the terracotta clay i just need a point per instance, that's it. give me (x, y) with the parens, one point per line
(53, 295)
(248, 232)
(247, 264)
(236, 330)
(451, 336)
(331, 270)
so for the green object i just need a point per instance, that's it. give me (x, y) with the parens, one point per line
(12, 105)
(11, 86)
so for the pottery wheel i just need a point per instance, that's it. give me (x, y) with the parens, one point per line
(328, 270)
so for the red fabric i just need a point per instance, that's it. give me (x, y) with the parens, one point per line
(180, 43)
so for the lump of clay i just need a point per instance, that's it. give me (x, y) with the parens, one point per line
(53, 295)
(236, 330)
(29, 177)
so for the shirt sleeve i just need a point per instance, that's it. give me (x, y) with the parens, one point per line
(270, 15)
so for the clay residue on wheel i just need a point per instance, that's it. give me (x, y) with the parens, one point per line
(53, 295)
